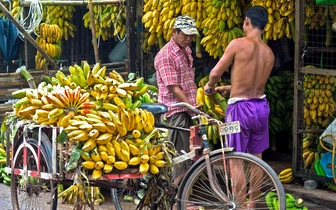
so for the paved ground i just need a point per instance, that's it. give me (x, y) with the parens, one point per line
(317, 199)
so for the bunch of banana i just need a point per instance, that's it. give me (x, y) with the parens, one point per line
(194, 9)
(274, 91)
(319, 104)
(63, 17)
(286, 176)
(221, 25)
(317, 16)
(281, 16)
(16, 9)
(93, 195)
(4, 177)
(291, 203)
(122, 152)
(110, 21)
(48, 40)
(288, 77)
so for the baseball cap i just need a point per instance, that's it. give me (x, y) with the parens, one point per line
(186, 24)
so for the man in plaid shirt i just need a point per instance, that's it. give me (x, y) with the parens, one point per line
(175, 78)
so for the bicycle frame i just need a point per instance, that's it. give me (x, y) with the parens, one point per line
(199, 141)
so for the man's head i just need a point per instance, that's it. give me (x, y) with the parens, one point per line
(257, 17)
(184, 30)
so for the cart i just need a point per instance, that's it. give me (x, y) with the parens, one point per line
(38, 165)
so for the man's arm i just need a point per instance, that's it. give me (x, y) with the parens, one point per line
(179, 95)
(223, 64)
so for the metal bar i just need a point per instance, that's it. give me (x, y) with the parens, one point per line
(93, 32)
(73, 3)
(27, 35)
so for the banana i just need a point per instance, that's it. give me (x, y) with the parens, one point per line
(120, 165)
(89, 145)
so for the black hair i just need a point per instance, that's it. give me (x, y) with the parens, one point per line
(258, 16)
(178, 30)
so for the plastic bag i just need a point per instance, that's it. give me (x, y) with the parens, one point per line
(325, 2)
(330, 130)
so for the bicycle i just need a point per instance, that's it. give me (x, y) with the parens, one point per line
(208, 183)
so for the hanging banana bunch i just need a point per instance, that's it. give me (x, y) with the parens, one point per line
(63, 17)
(159, 18)
(221, 25)
(16, 9)
(110, 21)
(281, 16)
(49, 40)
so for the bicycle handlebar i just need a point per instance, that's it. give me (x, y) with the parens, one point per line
(188, 106)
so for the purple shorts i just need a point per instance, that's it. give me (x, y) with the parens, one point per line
(253, 116)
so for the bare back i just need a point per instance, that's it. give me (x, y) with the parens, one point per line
(252, 64)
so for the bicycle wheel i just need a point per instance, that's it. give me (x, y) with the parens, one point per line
(40, 194)
(240, 187)
(124, 199)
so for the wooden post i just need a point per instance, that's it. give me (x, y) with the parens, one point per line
(93, 31)
(27, 35)
(300, 4)
(140, 39)
(130, 23)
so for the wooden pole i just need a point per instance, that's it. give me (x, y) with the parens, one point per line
(131, 39)
(27, 35)
(26, 3)
(93, 31)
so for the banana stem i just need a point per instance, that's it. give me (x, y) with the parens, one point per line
(198, 47)
(65, 191)
(30, 79)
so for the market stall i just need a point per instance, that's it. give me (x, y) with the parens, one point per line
(314, 90)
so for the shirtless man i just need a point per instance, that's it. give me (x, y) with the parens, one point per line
(252, 62)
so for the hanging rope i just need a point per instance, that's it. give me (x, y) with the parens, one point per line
(33, 18)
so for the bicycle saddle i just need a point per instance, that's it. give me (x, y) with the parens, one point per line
(155, 108)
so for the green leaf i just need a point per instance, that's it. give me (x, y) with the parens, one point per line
(62, 137)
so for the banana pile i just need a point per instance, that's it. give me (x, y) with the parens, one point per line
(286, 176)
(309, 156)
(288, 77)
(48, 40)
(291, 203)
(221, 25)
(274, 90)
(110, 21)
(63, 17)
(69, 195)
(281, 16)
(112, 131)
(318, 101)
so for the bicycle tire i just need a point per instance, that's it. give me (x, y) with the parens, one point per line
(124, 199)
(195, 188)
(40, 193)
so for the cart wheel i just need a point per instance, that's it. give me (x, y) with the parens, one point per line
(38, 193)
(124, 199)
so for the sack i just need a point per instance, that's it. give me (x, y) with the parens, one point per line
(325, 2)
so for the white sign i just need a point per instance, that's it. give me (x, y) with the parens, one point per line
(229, 128)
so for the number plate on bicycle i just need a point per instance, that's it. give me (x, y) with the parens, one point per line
(229, 128)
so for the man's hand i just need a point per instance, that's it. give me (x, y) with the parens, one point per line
(209, 89)
(223, 90)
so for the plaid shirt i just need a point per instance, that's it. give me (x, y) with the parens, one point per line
(173, 69)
